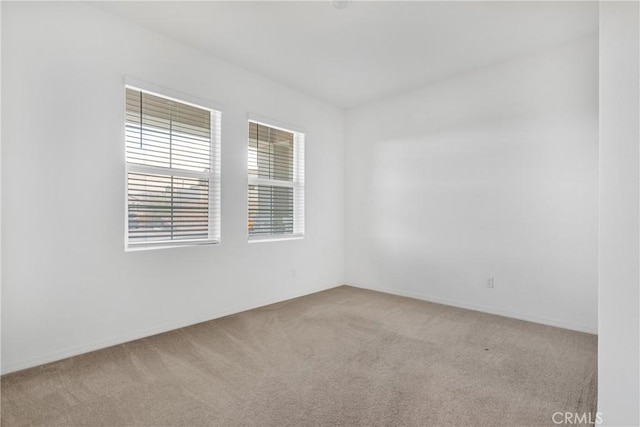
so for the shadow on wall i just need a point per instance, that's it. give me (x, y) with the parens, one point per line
(514, 199)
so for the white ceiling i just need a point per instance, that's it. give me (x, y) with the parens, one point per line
(367, 50)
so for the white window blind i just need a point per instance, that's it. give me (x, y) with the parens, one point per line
(172, 166)
(276, 182)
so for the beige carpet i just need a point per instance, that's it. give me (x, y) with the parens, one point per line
(346, 357)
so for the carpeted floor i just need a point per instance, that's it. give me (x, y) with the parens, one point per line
(343, 357)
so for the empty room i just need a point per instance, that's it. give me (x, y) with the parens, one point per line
(320, 213)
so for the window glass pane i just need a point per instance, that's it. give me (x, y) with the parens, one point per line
(270, 210)
(167, 207)
(270, 153)
(166, 133)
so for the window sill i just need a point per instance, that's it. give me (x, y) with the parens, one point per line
(273, 238)
(168, 245)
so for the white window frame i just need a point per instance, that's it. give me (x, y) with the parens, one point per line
(297, 184)
(213, 176)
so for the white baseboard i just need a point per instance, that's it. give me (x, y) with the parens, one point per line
(98, 345)
(489, 310)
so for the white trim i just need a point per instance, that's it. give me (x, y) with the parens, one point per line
(271, 182)
(166, 244)
(215, 182)
(165, 171)
(482, 309)
(299, 211)
(276, 124)
(174, 95)
(275, 238)
(204, 317)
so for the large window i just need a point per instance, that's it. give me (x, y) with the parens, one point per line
(172, 167)
(276, 182)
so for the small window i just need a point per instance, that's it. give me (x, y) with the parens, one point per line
(173, 185)
(276, 182)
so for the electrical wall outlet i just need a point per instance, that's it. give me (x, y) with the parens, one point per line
(490, 281)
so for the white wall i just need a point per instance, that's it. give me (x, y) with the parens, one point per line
(490, 173)
(0, 188)
(67, 284)
(619, 296)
